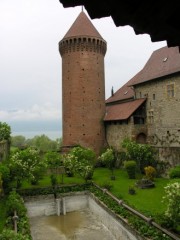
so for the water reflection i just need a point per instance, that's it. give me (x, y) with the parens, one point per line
(79, 225)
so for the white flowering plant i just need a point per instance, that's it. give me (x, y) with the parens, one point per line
(172, 199)
(80, 161)
(26, 165)
(108, 159)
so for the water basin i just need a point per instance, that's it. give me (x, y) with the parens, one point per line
(79, 225)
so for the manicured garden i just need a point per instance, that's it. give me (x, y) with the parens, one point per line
(147, 201)
(134, 176)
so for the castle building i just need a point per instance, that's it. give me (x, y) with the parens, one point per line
(83, 86)
(146, 109)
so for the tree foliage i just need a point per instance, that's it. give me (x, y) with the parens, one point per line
(5, 131)
(108, 159)
(53, 159)
(26, 164)
(5, 175)
(172, 198)
(143, 154)
(18, 141)
(80, 161)
(42, 143)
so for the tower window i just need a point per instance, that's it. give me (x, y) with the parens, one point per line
(154, 96)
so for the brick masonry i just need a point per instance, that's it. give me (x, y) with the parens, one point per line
(83, 92)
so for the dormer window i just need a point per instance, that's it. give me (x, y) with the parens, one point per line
(165, 59)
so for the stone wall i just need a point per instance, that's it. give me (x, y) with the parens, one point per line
(46, 205)
(116, 133)
(163, 116)
(162, 126)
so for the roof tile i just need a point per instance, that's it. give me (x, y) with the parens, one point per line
(122, 111)
(82, 26)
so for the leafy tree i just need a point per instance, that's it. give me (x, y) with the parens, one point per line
(54, 163)
(5, 175)
(143, 154)
(18, 141)
(53, 159)
(26, 164)
(5, 131)
(15, 203)
(43, 143)
(70, 163)
(84, 154)
(109, 160)
(81, 161)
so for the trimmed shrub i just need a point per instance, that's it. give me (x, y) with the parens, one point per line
(150, 172)
(175, 172)
(130, 167)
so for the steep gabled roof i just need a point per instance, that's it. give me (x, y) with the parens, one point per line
(163, 62)
(124, 93)
(159, 19)
(82, 26)
(122, 111)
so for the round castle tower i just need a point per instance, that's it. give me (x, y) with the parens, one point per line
(83, 85)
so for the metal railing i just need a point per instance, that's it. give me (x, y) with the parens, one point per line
(148, 220)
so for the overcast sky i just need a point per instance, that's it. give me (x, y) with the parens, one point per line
(30, 64)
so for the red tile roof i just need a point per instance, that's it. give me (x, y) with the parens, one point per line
(162, 62)
(124, 93)
(122, 111)
(82, 26)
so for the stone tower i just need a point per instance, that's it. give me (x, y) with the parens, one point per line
(83, 85)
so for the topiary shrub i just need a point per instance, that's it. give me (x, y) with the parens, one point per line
(130, 167)
(150, 172)
(175, 172)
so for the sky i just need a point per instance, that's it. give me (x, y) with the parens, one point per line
(30, 63)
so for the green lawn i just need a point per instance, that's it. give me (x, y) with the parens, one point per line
(147, 201)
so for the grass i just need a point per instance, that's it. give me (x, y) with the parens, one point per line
(147, 201)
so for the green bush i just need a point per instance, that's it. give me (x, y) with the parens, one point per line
(175, 172)
(172, 198)
(130, 167)
(8, 234)
(5, 174)
(107, 185)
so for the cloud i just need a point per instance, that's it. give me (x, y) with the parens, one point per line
(35, 112)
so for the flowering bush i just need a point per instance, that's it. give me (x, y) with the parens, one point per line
(172, 198)
(143, 154)
(81, 161)
(70, 163)
(26, 164)
(150, 172)
(108, 159)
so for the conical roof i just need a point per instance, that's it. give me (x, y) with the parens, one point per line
(82, 26)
